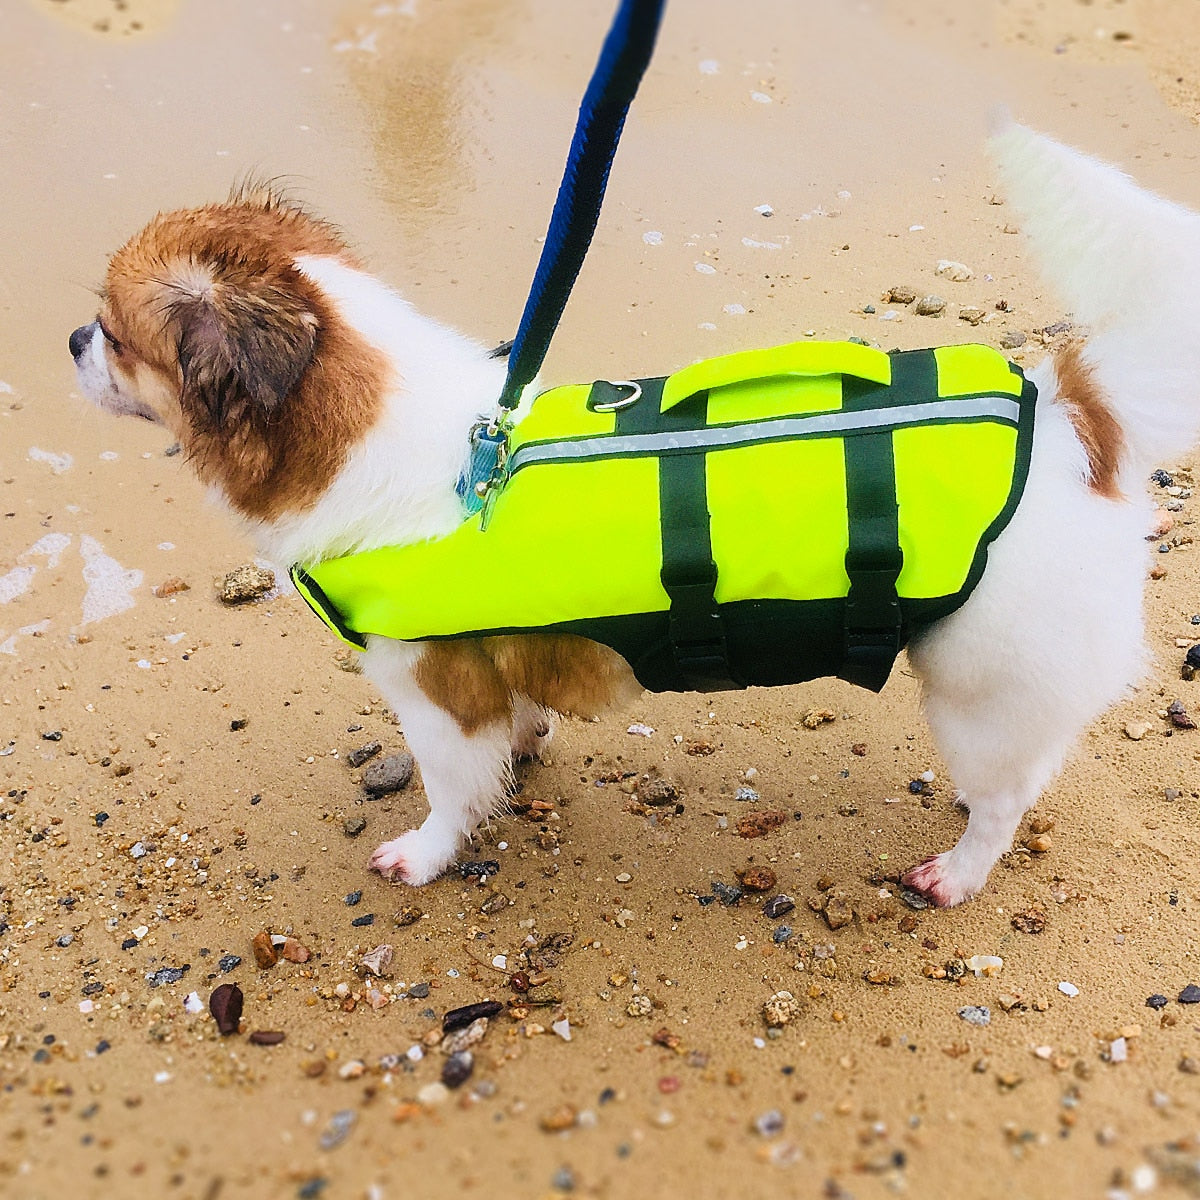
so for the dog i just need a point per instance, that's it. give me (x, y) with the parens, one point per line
(331, 417)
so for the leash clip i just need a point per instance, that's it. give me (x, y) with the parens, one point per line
(486, 470)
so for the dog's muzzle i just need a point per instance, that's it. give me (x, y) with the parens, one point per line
(81, 339)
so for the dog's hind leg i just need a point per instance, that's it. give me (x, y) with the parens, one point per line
(457, 719)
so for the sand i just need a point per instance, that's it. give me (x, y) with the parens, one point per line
(173, 771)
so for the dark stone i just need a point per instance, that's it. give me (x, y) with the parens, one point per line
(91, 989)
(365, 919)
(227, 962)
(1162, 478)
(419, 991)
(460, 1018)
(239, 723)
(1157, 1001)
(165, 975)
(100, 818)
(778, 906)
(266, 1037)
(1190, 994)
(353, 826)
(456, 1070)
(364, 754)
(782, 934)
(1193, 656)
(487, 866)
(728, 894)
(102, 1045)
(388, 776)
(52, 735)
(352, 899)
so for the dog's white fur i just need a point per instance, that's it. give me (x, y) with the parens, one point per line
(1049, 639)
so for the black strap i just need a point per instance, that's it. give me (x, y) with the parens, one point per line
(874, 626)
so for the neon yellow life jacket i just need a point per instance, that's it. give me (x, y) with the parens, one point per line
(761, 518)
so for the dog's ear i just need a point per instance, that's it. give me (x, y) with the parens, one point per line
(244, 342)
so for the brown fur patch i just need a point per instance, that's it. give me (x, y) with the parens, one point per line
(1094, 422)
(474, 679)
(273, 388)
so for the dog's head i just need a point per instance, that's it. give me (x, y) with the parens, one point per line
(208, 326)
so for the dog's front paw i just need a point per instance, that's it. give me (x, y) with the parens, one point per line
(936, 879)
(412, 858)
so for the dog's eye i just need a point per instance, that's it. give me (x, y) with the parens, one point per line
(108, 337)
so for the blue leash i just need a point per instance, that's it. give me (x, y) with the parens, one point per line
(623, 61)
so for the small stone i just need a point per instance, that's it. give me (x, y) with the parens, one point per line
(356, 758)
(770, 1124)
(1157, 1001)
(354, 1069)
(393, 774)
(350, 899)
(1069, 989)
(408, 915)
(930, 306)
(1040, 843)
(1136, 730)
(170, 587)
(340, 1124)
(1032, 920)
(377, 961)
(914, 900)
(1118, 1050)
(1189, 1065)
(363, 921)
(460, 1018)
(563, 1117)
(729, 894)
(1178, 716)
(294, 952)
(757, 878)
(495, 903)
(456, 1070)
(976, 1014)
(747, 793)
(640, 1006)
(778, 906)
(265, 954)
(245, 583)
(166, 975)
(782, 934)
(1012, 339)
(761, 823)
(433, 1094)
(837, 911)
(901, 294)
(1190, 994)
(479, 869)
(353, 826)
(973, 316)
(655, 792)
(956, 272)
(780, 1010)
(1040, 824)
(267, 1037)
(225, 1004)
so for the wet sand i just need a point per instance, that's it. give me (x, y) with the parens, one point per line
(173, 770)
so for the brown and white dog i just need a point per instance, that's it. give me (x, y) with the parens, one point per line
(332, 417)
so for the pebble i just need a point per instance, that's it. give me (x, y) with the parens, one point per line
(1157, 1001)
(350, 899)
(265, 954)
(1012, 339)
(460, 1018)
(364, 754)
(782, 934)
(1118, 1050)
(973, 316)
(837, 911)
(976, 1014)
(1069, 989)
(363, 921)
(378, 960)
(656, 792)
(1032, 920)
(166, 975)
(1136, 730)
(482, 868)
(956, 272)
(170, 587)
(770, 1124)
(245, 583)
(780, 1010)
(563, 1180)
(354, 1069)
(778, 906)
(761, 823)
(294, 951)
(433, 1094)
(757, 878)
(456, 1070)
(930, 306)
(914, 900)
(340, 1124)
(729, 894)
(267, 1037)
(561, 1118)
(1040, 843)
(984, 963)
(901, 294)
(391, 775)
(353, 826)
(192, 1003)
(1190, 994)
(225, 1004)
(227, 962)
(746, 793)
(563, 1029)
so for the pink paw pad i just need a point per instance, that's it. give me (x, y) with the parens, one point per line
(928, 879)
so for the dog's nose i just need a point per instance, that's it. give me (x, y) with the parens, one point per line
(81, 339)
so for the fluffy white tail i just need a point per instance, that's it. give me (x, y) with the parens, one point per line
(1127, 264)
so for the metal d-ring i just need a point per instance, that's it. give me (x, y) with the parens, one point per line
(635, 394)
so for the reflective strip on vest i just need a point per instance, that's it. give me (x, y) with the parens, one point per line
(823, 478)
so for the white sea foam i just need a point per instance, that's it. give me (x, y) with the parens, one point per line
(110, 585)
(58, 463)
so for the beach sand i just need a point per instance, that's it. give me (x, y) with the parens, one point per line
(173, 771)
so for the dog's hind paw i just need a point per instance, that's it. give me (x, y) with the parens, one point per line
(410, 859)
(934, 879)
